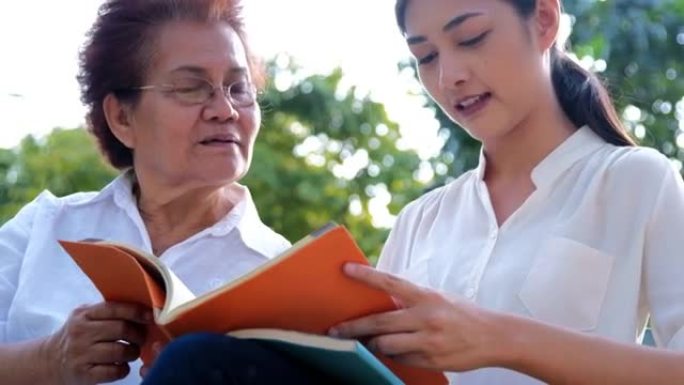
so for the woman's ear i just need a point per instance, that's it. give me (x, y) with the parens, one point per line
(547, 20)
(118, 119)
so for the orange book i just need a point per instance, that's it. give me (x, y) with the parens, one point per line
(303, 289)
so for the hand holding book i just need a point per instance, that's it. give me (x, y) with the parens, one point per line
(431, 330)
(303, 290)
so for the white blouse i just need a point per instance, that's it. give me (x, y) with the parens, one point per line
(40, 285)
(597, 247)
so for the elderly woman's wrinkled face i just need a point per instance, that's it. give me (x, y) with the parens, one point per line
(196, 121)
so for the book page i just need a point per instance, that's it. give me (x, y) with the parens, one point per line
(177, 293)
(304, 339)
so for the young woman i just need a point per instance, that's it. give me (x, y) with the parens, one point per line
(545, 262)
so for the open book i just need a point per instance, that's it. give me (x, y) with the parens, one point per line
(303, 289)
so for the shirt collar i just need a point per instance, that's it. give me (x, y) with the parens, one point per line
(120, 189)
(244, 216)
(481, 165)
(581, 143)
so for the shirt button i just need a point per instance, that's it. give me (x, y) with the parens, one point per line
(470, 293)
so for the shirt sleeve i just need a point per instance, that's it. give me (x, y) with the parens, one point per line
(664, 262)
(14, 237)
(411, 231)
(395, 254)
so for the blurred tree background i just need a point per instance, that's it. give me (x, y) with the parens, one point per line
(328, 152)
(324, 153)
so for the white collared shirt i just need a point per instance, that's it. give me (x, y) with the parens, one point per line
(597, 247)
(40, 285)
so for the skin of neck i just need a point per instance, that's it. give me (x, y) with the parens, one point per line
(516, 153)
(181, 208)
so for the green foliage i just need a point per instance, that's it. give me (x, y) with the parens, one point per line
(642, 42)
(327, 153)
(64, 162)
(303, 173)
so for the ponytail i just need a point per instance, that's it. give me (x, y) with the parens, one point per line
(585, 100)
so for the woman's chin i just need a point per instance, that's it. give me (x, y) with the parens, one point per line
(220, 178)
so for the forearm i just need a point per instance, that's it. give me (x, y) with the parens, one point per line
(26, 363)
(561, 356)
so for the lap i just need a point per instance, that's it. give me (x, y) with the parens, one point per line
(215, 359)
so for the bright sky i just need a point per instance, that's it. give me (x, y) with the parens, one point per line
(39, 41)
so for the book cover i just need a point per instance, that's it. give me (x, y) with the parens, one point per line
(302, 289)
(347, 360)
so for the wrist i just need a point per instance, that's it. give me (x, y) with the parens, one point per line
(48, 356)
(508, 337)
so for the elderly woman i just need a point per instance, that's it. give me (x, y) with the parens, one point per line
(170, 86)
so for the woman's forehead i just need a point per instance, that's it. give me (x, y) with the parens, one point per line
(423, 15)
(193, 46)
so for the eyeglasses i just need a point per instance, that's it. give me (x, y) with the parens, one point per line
(241, 93)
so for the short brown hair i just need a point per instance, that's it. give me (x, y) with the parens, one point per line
(116, 56)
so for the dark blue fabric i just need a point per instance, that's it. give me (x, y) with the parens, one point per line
(214, 359)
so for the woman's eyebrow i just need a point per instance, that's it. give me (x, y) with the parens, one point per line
(458, 20)
(451, 24)
(199, 71)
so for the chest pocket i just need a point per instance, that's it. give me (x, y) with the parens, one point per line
(567, 284)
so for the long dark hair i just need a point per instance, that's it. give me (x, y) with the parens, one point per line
(581, 94)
